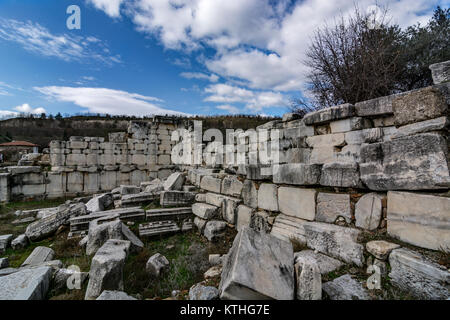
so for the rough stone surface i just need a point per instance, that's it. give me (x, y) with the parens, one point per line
(114, 295)
(157, 264)
(422, 278)
(4, 263)
(440, 72)
(205, 211)
(338, 174)
(211, 184)
(214, 230)
(229, 209)
(38, 256)
(309, 280)
(368, 211)
(330, 206)
(329, 114)
(325, 263)
(335, 241)
(107, 268)
(420, 127)
(174, 182)
(297, 202)
(26, 284)
(345, 288)
(5, 241)
(259, 221)
(49, 224)
(20, 242)
(62, 276)
(201, 292)
(242, 275)
(419, 219)
(244, 215)
(380, 248)
(100, 203)
(200, 224)
(297, 174)
(416, 162)
(250, 194)
(232, 186)
(418, 105)
(267, 197)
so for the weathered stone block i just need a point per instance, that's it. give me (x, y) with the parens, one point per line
(174, 181)
(205, 211)
(325, 263)
(268, 197)
(309, 280)
(416, 162)
(214, 230)
(244, 215)
(380, 248)
(440, 72)
(38, 256)
(297, 202)
(211, 184)
(422, 278)
(418, 105)
(326, 140)
(242, 275)
(250, 194)
(330, 206)
(232, 186)
(364, 136)
(26, 284)
(437, 124)
(297, 174)
(345, 288)
(157, 264)
(337, 174)
(329, 114)
(419, 219)
(350, 124)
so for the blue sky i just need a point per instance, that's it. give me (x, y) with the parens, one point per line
(142, 57)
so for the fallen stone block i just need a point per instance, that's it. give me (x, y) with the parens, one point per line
(114, 295)
(325, 263)
(368, 211)
(337, 174)
(47, 226)
(20, 242)
(440, 72)
(297, 202)
(335, 241)
(5, 241)
(69, 278)
(157, 264)
(345, 288)
(205, 211)
(309, 280)
(329, 114)
(201, 292)
(330, 206)
(200, 224)
(242, 275)
(174, 182)
(176, 198)
(288, 228)
(380, 248)
(268, 196)
(100, 203)
(38, 256)
(214, 230)
(125, 190)
(107, 268)
(297, 174)
(26, 284)
(416, 162)
(419, 105)
(422, 278)
(4, 263)
(138, 199)
(419, 219)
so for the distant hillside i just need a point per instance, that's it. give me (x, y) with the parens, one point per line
(42, 131)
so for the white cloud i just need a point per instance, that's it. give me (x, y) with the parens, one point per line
(110, 7)
(199, 75)
(5, 114)
(25, 108)
(253, 100)
(108, 101)
(38, 39)
(231, 109)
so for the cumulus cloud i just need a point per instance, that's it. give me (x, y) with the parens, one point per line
(199, 75)
(35, 38)
(25, 108)
(5, 114)
(108, 101)
(231, 109)
(254, 100)
(110, 7)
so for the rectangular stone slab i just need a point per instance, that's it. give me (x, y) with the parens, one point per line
(26, 284)
(419, 219)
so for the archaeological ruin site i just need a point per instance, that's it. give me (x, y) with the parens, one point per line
(350, 202)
